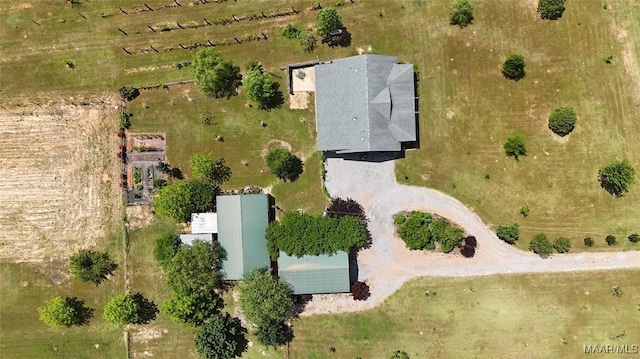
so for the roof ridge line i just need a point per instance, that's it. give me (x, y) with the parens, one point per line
(366, 86)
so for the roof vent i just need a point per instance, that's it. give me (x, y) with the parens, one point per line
(354, 119)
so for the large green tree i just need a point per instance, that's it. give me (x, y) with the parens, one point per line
(166, 248)
(284, 164)
(222, 337)
(551, 9)
(263, 299)
(197, 268)
(192, 308)
(206, 168)
(616, 177)
(216, 76)
(328, 20)
(562, 121)
(262, 90)
(461, 13)
(515, 147)
(179, 199)
(65, 312)
(130, 308)
(513, 67)
(91, 266)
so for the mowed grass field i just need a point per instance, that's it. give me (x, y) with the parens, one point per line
(504, 316)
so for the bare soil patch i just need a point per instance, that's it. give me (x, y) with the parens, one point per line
(299, 101)
(273, 144)
(58, 179)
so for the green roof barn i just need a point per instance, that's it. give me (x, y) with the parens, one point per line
(242, 222)
(316, 274)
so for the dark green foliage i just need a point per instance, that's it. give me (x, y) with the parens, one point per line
(159, 183)
(399, 354)
(291, 32)
(328, 20)
(196, 268)
(509, 234)
(130, 308)
(562, 121)
(65, 312)
(513, 67)
(446, 234)
(206, 168)
(262, 90)
(222, 337)
(192, 308)
(634, 238)
(91, 267)
(308, 41)
(541, 246)
(284, 164)
(179, 199)
(611, 240)
(166, 248)
(125, 120)
(515, 147)
(617, 177)
(215, 76)
(551, 9)
(254, 65)
(129, 93)
(415, 233)
(265, 301)
(461, 13)
(589, 242)
(345, 207)
(305, 234)
(562, 244)
(274, 334)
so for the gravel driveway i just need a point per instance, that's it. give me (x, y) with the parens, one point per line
(387, 264)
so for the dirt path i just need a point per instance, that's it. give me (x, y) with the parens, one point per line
(388, 264)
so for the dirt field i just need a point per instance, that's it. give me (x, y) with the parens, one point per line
(58, 180)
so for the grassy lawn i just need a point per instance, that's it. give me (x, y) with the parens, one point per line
(506, 316)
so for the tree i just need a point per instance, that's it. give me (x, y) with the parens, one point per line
(509, 234)
(129, 93)
(166, 248)
(562, 121)
(284, 164)
(222, 337)
(196, 268)
(263, 299)
(308, 41)
(91, 266)
(254, 65)
(215, 76)
(617, 177)
(588, 242)
(274, 333)
(328, 20)
(562, 244)
(291, 31)
(634, 238)
(550, 9)
(65, 312)
(192, 308)
(208, 169)
(179, 199)
(345, 207)
(513, 67)
(611, 240)
(515, 147)
(461, 13)
(446, 234)
(414, 231)
(541, 246)
(130, 308)
(261, 89)
(399, 354)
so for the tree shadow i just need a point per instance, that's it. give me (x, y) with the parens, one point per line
(176, 172)
(342, 40)
(275, 101)
(82, 314)
(300, 302)
(147, 310)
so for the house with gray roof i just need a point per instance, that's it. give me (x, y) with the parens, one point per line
(365, 103)
(242, 223)
(315, 274)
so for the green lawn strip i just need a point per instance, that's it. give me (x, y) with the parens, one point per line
(493, 316)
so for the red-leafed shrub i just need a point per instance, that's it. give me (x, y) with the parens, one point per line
(360, 291)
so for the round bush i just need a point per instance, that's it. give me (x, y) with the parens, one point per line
(634, 238)
(562, 244)
(513, 67)
(562, 121)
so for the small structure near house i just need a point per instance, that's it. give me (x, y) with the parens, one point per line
(315, 274)
(204, 223)
(242, 222)
(189, 238)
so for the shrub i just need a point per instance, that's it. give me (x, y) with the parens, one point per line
(617, 177)
(125, 120)
(513, 67)
(130, 308)
(551, 9)
(415, 232)
(254, 65)
(159, 183)
(284, 164)
(562, 244)
(90, 266)
(515, 147)
(524, 210)
(589, 242)
(634, 238)
(274, 333)
(461, 13)
(65, 312)
(399, 219)
(468, 251)
(166, 248)
(308, 41)
(345, 207)
(328, 20)
(360, 291)
(509, 234)
(128, 93)
(611, 240)
(446, 234)
(215, 76)
(541, 246)
(562, 121)
(291, 32)
(399, 354)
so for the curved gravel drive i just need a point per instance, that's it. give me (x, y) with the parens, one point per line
(387, 264)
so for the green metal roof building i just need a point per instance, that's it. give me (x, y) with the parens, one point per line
(315, 274)
(242, 222)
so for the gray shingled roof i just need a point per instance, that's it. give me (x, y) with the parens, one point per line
(365, 103)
